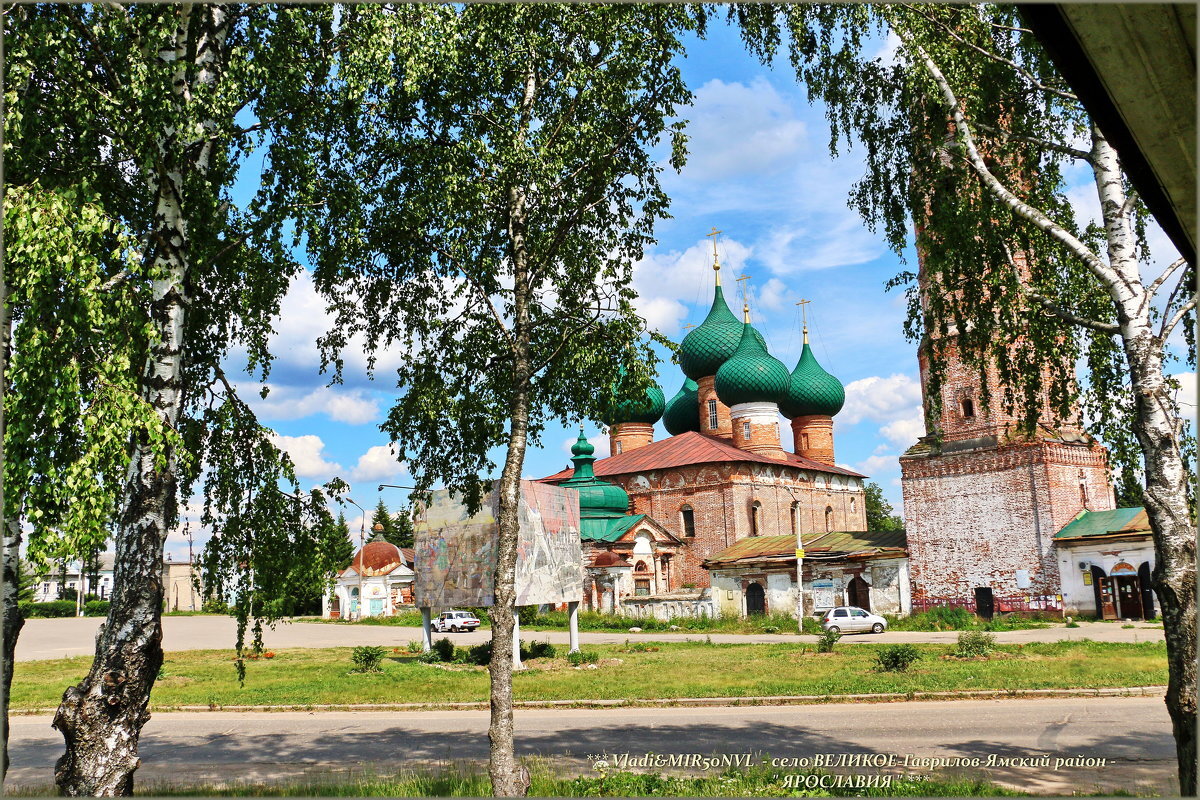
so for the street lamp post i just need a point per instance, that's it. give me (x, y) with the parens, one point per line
(362, 556)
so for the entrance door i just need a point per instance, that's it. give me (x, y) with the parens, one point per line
(756, 599)
(1108, 599)
(1129, 595)
(984, 604)
(860, 593)
(376, 606)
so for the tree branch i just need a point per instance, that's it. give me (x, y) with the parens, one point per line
(1161, 279)
(1094, 263)
(1026, 74)
(1054, 308)
(1083, 155)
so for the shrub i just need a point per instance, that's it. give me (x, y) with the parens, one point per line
(972, 644)
(811, 626)
(415, 647)
(367, 658)
(480, 654)
(828, 640)
(96, 608)
(445, 649)
(896, 657)
(214, 606)
(770, 629)
(537, 650)
(54, 608)
(580, 657)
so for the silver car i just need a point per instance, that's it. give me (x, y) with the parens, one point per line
(852, 619)
(455, 621)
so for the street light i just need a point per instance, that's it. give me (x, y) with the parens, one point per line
(362, 556)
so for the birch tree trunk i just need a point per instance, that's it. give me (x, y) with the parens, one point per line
(1157, 427)
(9, 580)
(102, 717)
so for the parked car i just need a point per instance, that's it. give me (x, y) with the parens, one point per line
(851, 619)
(455, 621)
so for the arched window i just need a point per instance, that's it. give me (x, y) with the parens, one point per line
(828, 518)
(755, 517)
(852, 505)
(795, 516)
(687, 518)
(712, 414)
(968, 408)
(746, 430)
(804, 441)
(618, 449)
(641, 579)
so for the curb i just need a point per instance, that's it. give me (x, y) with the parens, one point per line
(771, 700)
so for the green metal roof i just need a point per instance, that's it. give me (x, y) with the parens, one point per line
(683, 410)
(597, 498)
(1105, 523)
(607, 530)
(812, 390)
(708, 346)
(751, 375)
(782, 548)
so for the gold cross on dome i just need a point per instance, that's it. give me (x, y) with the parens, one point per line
(714, 234)
(804, 316)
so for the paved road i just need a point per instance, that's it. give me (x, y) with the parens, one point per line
(58, 638)
(1133, 735)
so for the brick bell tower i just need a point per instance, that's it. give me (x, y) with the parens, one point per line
(982, 500)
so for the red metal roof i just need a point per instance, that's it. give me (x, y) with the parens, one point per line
(691, 448)
(381, 558)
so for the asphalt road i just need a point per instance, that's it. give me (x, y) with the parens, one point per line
(58, 638)
(1132, 735)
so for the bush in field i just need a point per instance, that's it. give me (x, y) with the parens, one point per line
(367, 658)
(538, 650)
(480, 654)
(580, 657)
(54, 608)
(96, 608)
(896, 657)
(972, 644)
(828, 640)
(445, 649)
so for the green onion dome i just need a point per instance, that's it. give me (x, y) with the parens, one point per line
(683, 410)
(710, 345)
(812, 390)
(751, 375)
(648, 408)
(597, 498)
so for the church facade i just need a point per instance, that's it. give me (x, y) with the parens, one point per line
(655, 512)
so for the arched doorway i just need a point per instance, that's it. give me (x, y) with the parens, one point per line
(860, 593)
(335, 607)
(756, 599)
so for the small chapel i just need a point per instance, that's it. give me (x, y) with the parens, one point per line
(657, 517)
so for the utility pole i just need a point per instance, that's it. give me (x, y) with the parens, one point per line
(191, 571)
(362, 556)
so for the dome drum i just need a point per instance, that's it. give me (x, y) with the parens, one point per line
(812, 436)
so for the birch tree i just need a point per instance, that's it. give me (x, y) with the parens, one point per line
(971, 137)
(484, 212)
(155, 109)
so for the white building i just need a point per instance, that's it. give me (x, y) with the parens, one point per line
(1105, 558)
(100, 583)
(384, 573)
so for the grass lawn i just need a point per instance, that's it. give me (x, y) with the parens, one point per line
(299, 677)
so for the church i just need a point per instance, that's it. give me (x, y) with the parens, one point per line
(658, 517)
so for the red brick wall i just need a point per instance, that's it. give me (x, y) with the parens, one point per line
(974, 518)
(722, 495)
(706, 390)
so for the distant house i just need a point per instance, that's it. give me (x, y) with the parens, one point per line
(1106, 558)
(385, 574)
(100, 583)
(757, 575)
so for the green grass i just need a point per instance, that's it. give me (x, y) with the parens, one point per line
(613, 623)
(462, 781)
(960, 619)
(300, 677)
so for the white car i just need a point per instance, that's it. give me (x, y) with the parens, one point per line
(455, 621)
(851, 619)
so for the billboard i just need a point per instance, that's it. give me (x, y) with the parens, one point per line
(456, 552)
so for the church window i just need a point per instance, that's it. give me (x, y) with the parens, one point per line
(712, 414)
(641, 582)
(968, 408)
(755, 515)
(618, 449)
(851, 505)
(688, 518)
(746, 431)
(828, 518)
(804, 441)
(795, 515)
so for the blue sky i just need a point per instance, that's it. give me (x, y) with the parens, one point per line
(759, 170)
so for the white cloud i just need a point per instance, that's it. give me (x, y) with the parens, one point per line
(307, 454)
(875, 465)
(881, 399)
(351, 406)
(904, 432)
(669, 283)
(1186, 395)
(377, 463)
(740, 129)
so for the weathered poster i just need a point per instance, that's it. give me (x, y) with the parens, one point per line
(456, 552)
(823, 593)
